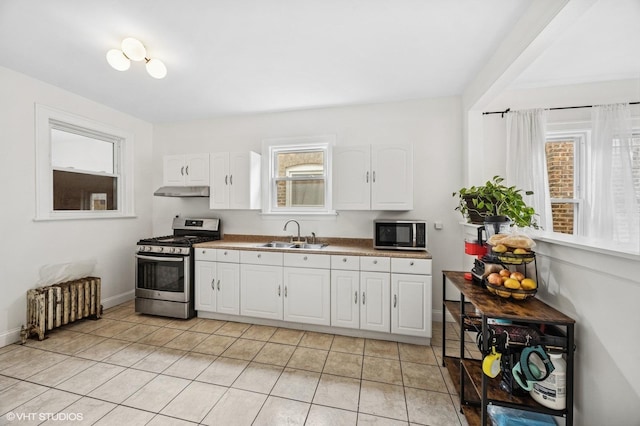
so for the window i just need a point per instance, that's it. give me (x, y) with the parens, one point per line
(566, 169)
(298, 175)
(83, 167)
(564, 152)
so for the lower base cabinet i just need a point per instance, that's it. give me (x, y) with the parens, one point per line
(306, 295)
(380, 294)
(375, 299)
(261, 291)
(411, 304)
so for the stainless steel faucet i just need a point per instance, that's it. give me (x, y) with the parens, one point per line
(296, 222)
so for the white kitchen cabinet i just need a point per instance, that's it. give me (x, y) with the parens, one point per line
(411, 304)
(307, 295)
(411, 290)
(234, 180)
(345, 298)
(186, 170)
(261, 291)
(373, 177)
(375, 296)
(217, 283)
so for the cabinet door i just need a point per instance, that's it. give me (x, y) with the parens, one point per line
(244, 180)
(205, 286)
(345, 298)
(375, 295)
(228, 287)
(261, 291)
(351, 178)
(197, 170)
(392, 178)
(173, 171)
(307, 295)
(411, 304)
(219, 180)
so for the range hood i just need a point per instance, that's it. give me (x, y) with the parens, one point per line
(182, 191)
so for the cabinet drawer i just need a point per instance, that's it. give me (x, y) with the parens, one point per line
(411, 266)
(303, 260)
(261, 258)
(345, 263)
(230, 256)
(375, 264)
(206, 254)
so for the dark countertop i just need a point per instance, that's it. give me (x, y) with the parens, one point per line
(336, 246)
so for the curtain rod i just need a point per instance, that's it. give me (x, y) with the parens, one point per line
(502, 113)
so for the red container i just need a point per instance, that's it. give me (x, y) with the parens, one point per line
(474, 249)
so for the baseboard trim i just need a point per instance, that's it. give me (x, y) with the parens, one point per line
(9, 337)
(112, 301)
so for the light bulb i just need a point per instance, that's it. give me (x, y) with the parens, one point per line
(117, 60)
(156, 68)
(134, 49)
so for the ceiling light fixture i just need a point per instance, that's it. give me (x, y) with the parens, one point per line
(133, 50)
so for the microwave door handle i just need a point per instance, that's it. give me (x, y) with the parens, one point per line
(415, 233)
(163, 259)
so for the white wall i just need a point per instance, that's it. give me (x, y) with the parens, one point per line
(28, 245)
(598, 289)
(432, 126)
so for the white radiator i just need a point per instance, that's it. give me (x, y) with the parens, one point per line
(59, 304)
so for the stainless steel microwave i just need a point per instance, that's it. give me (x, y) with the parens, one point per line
(400, 234)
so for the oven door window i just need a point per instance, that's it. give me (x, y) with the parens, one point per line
(395, 235)
(165, 274)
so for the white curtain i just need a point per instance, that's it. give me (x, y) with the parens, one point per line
(611, 202)
(526, 160)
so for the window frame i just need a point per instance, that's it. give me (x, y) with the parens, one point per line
(579, 139)
(302, 144)
(47, 118)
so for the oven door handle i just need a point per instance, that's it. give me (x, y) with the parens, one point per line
(163, 259)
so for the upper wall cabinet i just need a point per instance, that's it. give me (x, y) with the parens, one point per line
(186, 170)
(373, 177)
(234, 180)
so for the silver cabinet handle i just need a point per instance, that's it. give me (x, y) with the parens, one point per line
(374, 176)
(411, 263)
(224, 254)
(395, 300)
(363, 297)
(278, 290)
(355, 298)
(344, 259)
(218, 285)
(182, 171)
(285, 291)
(226, 179)
(367, 177)
(305, 258)
(213, 284)
(375, 262)
(259, 256)
(230, 179)
(186, 170)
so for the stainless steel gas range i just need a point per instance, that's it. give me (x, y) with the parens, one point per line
(165, 268)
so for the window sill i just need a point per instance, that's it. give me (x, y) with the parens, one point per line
(79, 216)
(581, 243)
(330, 213)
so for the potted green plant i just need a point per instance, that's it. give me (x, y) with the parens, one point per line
(495, 199)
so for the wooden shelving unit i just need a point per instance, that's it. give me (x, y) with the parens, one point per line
(472, 312)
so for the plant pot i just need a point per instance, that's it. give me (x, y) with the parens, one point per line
(475, 215)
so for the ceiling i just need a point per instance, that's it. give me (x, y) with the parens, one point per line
(229, 57)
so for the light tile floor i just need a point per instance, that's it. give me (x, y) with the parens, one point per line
(132, 369)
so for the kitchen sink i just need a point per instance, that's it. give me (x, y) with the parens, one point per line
(285, 245)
